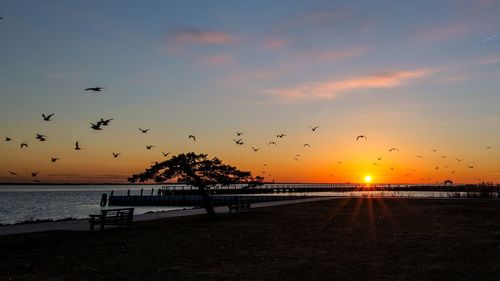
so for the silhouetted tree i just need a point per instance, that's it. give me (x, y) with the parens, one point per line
(199, 171)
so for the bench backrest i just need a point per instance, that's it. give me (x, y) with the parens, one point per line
(128, 212)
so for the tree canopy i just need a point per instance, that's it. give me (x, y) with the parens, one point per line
(196, 170)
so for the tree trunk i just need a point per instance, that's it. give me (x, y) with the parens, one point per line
(207, 201)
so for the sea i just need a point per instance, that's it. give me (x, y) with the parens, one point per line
(22, 203)
(29, 203)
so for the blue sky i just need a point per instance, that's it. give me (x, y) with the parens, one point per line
(410, 74)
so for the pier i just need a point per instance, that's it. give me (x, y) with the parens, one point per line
(183, 195)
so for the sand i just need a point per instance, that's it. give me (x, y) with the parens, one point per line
(343, 239)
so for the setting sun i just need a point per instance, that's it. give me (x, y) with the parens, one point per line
(368, 179)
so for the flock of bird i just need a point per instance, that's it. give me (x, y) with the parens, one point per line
(239, 140)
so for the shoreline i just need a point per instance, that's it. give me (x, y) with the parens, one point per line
(340, 239)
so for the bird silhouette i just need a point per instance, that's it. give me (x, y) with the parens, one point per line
(255, 149)
(281, 136)
(452, 172)
(420, 156)
(238, 141)
(144, 130)
(47, 117)
(24, 145)
(192, 137)
(489, 147)
(96, 127)
(340, 162)
(379, 158)
(239, 134)
(272, 142)
(471, 166)
(443, 156)
(296, 159)
(434, 150)
(115, 155)
(54, 159)
(393, 149)
(149, 146)
(105, 122)
(12, 173)
(34, 174)
(314, 128)
(95, 89)
(459, 160)
(77, 146)
(436, 168)
(306, 145)
(7, 139)
(361, 137)
(165, 154)
(40, 137)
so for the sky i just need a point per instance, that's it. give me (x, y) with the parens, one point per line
(412, 75)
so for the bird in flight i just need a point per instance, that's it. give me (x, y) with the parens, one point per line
(314, 128)
(143, 130)
(340, 162)
(24, 145)
(7, 139)
(306, 145)
(471, 166)
(116, 155)
(34, 174)
(272, 142)
(54, 159)
(281, 136)
(192, 137)
(77, 146)
(443, 156)
(165, 154)
(296, 159)
(238, 141)
(96, 126)
(434, 150)
(255, 149)
(12, 173)
(393, 149)
(95, 89)
(239, 134)
(459, 160)
(105, 122)
(361, 137)
(40, 137)
(379, 158)
(420, 156)
(488, 147)
(149, 146)
(47, 117)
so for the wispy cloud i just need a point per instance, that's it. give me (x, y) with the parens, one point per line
(275, 43)
(190, 36)
(442, 32)
(490, 60)
(331, 89)
(218, 59)
(338, 54)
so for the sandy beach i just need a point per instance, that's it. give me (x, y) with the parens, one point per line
(345, 239)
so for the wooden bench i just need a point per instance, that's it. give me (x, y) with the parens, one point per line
(121, 216)
(239, 206)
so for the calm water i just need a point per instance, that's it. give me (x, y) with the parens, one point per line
(38, 202)
(31, 202)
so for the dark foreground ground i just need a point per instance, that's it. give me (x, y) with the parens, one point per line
(347, 239)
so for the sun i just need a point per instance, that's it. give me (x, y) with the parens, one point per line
(368, 179)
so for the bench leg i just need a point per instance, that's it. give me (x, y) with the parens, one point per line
(102, 226)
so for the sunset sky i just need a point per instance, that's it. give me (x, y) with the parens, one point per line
(413, 75)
